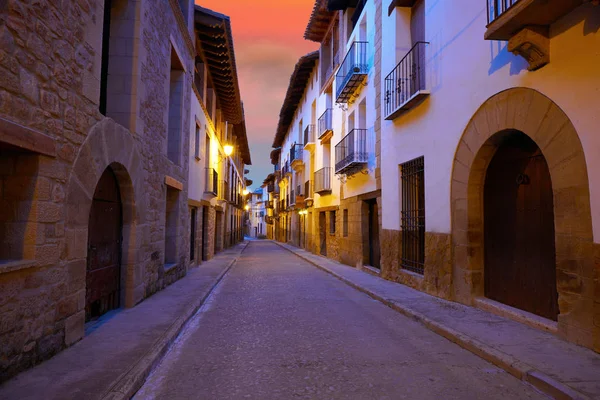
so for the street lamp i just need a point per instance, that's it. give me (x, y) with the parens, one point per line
(246, 191)
(247, 207)
(228, 150)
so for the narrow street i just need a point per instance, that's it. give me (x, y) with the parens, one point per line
(276, 327)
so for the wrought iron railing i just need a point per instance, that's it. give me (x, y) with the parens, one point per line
(269, 204)
(351, 149)
(355, 63)
(325, 122)
(406, 79)
(309, 134)
(212, 181)
(292, 197)
(308, 189)
(296, 152)
(323, 180)
(495, 8)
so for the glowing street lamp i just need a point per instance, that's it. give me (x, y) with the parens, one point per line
(228, 150)
(245, 192)
(247, 207)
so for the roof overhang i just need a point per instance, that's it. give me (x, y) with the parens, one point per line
(334, 5)
(298, 82)
(215, 49)
(319, 22)
(275, 155)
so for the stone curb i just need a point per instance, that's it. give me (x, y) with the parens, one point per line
(131, 381)
(513, 366)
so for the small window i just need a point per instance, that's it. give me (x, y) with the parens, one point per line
(197, 144)
(175, 108)
(345, 223)
(332, 222)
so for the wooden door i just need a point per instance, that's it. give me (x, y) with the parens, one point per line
(103, 276)
(520, 261)
(204, 233)
(323, 232)
(193, 213)
(374, 248)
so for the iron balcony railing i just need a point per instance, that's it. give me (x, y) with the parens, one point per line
(351, 150)
(212, 181)
(325, 123)
(292, 197)
(323, 180)
(270, 187)
(223, 190)
(406, 79)
(309, 134)
(277, 167)
(308, 189)
(296, 152)
(269, 204)
(495, 8)
(353, 67)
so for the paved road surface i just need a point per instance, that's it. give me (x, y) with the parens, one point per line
(277, 327)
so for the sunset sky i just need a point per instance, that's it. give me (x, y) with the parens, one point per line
(268, 40)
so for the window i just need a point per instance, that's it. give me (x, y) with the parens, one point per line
(345, 223)
(207, 150)
(197, 143)
(117, 58)
(413, 215)
(193, 217)
(175, 108)
(332, 222)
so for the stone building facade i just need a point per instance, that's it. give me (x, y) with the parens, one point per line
(94, 115)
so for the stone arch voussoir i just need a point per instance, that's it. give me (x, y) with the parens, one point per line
(534, 114)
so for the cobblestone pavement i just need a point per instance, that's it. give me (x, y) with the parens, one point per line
(278, 328)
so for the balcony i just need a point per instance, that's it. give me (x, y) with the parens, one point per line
(351, 153)
(525, 24)
(269, 220)
(326, 125)
(271, 187)
(212, 182)
(308, 190)
(300, 196)
(296, 153)
(309, 137)
(269, 204)
(292, 197)
(323, 181)
(223, 190)
(352, 72)
(406, 85)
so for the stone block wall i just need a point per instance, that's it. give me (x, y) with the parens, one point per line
(49, 83)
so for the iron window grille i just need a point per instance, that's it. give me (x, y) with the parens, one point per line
(413, 215)
(332, 222)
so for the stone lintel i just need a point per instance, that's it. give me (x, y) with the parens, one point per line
(19, 136)
(533, 44)
(172, 182)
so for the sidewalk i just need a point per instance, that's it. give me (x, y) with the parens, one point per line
(558, 368)
(114, 359)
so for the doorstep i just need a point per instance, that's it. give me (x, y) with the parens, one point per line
(558, 368)
(114, 359)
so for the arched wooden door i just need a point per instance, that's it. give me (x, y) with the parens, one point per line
(520, 260)
(103, 279)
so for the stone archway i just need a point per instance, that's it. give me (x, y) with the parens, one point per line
(108, 145)
(532, 113)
